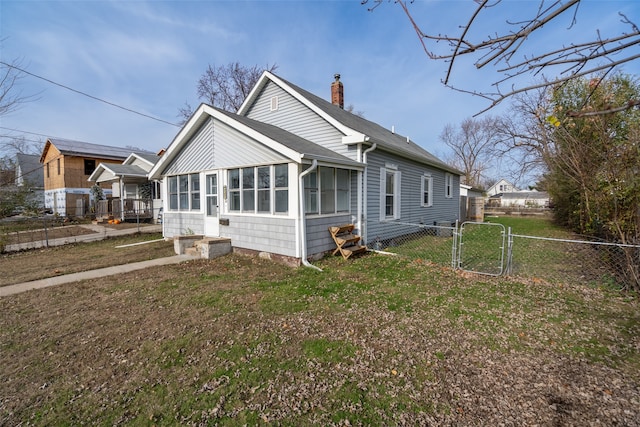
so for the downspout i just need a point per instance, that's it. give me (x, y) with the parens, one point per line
(366, 184)
(303, 229)
(121, 198)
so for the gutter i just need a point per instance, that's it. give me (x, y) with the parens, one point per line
(303, 227)
(363, 233)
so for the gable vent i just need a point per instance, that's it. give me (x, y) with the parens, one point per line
(274, 103)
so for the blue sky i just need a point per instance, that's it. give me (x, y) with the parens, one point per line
(148, 56)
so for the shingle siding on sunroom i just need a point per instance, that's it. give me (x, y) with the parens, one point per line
(295, 117)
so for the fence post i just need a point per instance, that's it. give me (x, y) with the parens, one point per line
(455, 261)
(509, 252)
(46, 234)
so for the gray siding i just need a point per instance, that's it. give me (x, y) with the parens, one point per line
(266, 234)
(180, 223)
(217, 145)
(293, 116)
(233, 149)
(196, 155)
(411, 210)
(318, 237)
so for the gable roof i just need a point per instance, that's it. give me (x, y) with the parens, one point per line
(286, 143)
(110, 171)
(149, 158)
(355, 128)
(30, 168)
(70, 147)
(501, 181)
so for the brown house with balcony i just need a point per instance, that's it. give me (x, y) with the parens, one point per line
(67, 166)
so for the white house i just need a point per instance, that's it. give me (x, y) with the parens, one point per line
(134, 196)
(502, 186)
(288, 165)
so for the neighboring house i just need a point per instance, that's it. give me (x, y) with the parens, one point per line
(67, 166)
(29, 174)
(29, 171)
(134, 196)
(502, 186)
(288, 165)
(528, 199)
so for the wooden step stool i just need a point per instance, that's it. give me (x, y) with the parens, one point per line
(346, 241)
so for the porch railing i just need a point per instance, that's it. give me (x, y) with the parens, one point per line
(125, 209)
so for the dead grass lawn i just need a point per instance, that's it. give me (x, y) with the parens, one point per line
(372, 341)
(38, 264)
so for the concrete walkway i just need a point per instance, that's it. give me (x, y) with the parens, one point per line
(101, 233)
(91, 274)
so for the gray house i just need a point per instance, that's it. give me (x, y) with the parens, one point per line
(275, 176)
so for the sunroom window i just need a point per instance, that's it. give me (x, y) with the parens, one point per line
(184, 192)
(259, 189)
(333, 187)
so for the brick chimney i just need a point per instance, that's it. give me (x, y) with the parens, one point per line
(337, 92)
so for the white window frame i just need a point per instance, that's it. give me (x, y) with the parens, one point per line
(327, 192)
(426, 187)
(383, 193)
(191, 193)
(448, 186)
(274, 188)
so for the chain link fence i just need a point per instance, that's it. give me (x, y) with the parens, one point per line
(574, 261)
(23, 233)
(434, 243)
(489, 248)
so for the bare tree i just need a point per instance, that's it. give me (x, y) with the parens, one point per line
(11, 97)
(472, 147)
(508, 50)
(225, 86)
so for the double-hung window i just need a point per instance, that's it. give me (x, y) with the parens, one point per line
(281, 188)
(448, 186)
(248, 190)
(427, 191)
(389, 193)
(184, 192)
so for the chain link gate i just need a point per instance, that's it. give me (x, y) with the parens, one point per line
(481, 247)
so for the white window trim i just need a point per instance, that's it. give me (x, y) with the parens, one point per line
(448, 186)
(426, 178)
(396, 192)
(190, 192)
(318, 186)
(272, 191)
(274, 104)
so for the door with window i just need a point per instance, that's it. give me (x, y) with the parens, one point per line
(212, 211)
